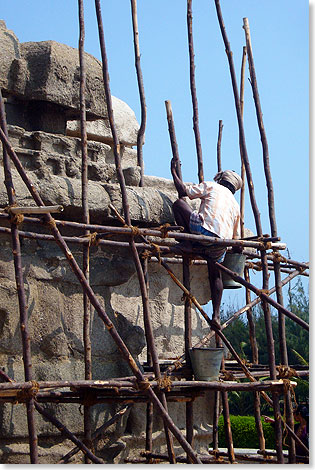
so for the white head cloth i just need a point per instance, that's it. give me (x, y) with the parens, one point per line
(231, 177)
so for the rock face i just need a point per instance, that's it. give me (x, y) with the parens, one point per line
(40, 82)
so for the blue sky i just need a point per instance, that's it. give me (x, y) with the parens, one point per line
(279, 33)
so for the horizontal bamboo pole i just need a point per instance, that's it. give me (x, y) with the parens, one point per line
(33, 210)
(259, 245)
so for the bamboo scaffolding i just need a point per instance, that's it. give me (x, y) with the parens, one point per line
(226, 342)
(236, 315)
(145, 302)
(86, 220)
(24, 329)
(273, 225)
(194, 92)
(266, 309)
(140, 136)
(111, 328)
(141, 387)
(207, 459)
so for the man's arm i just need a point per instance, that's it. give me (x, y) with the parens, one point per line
(179, 185)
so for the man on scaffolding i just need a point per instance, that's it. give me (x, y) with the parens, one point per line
(218, 216)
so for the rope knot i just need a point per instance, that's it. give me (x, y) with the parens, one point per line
(164, 230)
(165, 383)
(26, 393)
(16, 219)
(143, 385)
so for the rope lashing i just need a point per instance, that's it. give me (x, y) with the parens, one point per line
(134, 230)
(51, 224)
(285, 372)
(16, 219)
(228, 376)
(177, 365)
(146, 255)
(26, 393)
(263, 291)
(143, 385)
(164, 230)
(157, 251)
(165, 383)
(187, 297)
(93, 240)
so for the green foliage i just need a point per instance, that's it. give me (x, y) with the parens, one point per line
(244, 433)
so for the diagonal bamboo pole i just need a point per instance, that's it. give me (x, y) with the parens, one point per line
(86, 220)
(194, 92)
(140, 137)
(273, 224)
(16, 251)
(94, 301)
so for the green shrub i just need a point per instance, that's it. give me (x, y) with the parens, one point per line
(244, 433)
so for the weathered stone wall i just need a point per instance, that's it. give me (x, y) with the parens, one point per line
(40, 85)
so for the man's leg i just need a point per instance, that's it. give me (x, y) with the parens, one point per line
(182, 212)
(216, 286)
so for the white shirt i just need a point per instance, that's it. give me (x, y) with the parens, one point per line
(219, 209)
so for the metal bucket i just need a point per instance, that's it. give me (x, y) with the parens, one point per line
(236, 263)
(206, 363)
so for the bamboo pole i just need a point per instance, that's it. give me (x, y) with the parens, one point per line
(272, 218)
(219, 146)
(194, 92)
(171, 130)
(140, 137)
(24, 328)
(187, 339)
(102, 314)
(86, 219)
(251, 324)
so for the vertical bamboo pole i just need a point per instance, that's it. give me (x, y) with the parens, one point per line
(186, 277)
(16, 251)
(149, 410)
(273, 225)
(266, 309)
(140, 137)
(227, 427)
(250, 319)
(242, 199)
(145, 300)
(219, 146)
(188, 344)
(86, 220)
(171, 129)
(194, 92)
(216, 410)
